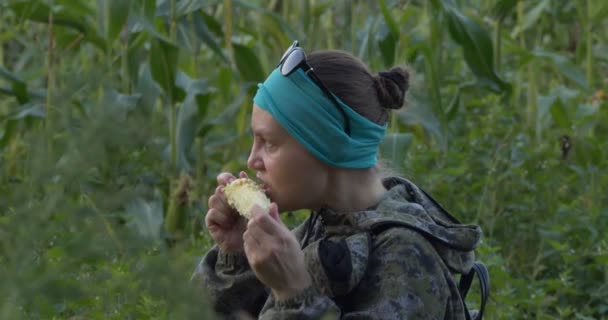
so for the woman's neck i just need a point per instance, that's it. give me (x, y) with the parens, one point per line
(354, 190)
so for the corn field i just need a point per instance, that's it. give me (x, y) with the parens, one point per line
(116, 116)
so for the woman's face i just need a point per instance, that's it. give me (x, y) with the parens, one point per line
(292, 176)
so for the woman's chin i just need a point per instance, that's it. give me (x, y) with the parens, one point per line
(283, 206)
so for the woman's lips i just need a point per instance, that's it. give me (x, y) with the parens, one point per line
(265, 187)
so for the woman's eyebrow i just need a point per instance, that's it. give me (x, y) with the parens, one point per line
(261, 131)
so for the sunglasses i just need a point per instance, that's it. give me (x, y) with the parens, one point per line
(295, 58)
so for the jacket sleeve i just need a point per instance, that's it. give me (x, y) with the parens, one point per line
(405, 279)
(230, 284)
(308, 304)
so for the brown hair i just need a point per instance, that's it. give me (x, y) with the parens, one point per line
(349, 78)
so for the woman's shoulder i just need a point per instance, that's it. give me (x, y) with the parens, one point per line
(397, 235)
(401, 243)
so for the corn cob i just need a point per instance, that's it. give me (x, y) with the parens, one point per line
(242, 194)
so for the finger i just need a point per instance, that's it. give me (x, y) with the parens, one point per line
(217, 218)
(243, 174)
(265, 221)
(274, 212)
(260, 243)
(214, 198)
(250, 244)
(218, 201)
(225, 178)
(260, 235)
(257, 210)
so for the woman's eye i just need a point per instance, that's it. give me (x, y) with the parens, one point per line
(268, 145)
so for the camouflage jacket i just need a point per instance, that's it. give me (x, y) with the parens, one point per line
(363, 267)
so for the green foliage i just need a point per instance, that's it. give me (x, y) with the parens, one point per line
(116, 116)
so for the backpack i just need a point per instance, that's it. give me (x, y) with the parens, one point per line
(478, 269)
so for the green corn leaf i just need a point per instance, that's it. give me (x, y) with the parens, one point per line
(564, 66)
(121, 104)
(163, 66)
(188, 122)
(27, 113)
(185, 40)
(388, 43)
(193, 86)
(214, 26)
(145, 9)
(477, 48)
(560, 114)
(504, 8)
(419, 114)
(454, 106)
(203, 32)
(147, 88)
(248, 63)
(185, 7)
(182, 7)
(365, 37)
(553, 107)
(531, 18)
(284, 24)
(190, 115)
(388, 18)
(117, 14)
(39, 11)
(599, 11)
(77, 7)
(18, 86)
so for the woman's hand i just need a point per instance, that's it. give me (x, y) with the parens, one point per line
(274, 254)
(223, 222)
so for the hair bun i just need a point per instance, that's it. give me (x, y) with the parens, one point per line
(392, 86)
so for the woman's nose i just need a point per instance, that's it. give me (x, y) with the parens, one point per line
(254, 162)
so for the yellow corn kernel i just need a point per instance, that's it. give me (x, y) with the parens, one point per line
(242, 194)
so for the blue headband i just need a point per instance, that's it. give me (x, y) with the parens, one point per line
(300, 106)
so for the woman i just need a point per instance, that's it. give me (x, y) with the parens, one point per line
(372, 248)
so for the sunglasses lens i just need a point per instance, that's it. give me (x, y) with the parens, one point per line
(292, 61)
(288, 51)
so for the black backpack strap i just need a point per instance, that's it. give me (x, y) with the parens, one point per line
(466, 280)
